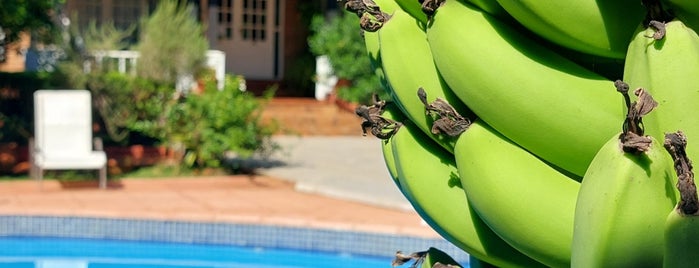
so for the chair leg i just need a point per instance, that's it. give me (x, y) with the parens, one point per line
(103, 177)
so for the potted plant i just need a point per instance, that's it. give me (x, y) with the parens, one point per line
(340, 39)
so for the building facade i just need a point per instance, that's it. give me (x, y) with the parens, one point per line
(260, 38)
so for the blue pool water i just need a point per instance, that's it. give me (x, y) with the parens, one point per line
(82, 253)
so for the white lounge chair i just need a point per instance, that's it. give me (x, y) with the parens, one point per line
(63, 134)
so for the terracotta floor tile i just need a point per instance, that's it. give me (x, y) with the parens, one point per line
(235, 199)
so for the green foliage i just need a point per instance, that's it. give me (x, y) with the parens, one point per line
(106, 36)
(21, 15)
(340, 38)
(201, 127)
(172, 43)
(213, 123)
(207, 127)
(299, 75)
(130, 104)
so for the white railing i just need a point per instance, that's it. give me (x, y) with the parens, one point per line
(127, 59)
(121, 56)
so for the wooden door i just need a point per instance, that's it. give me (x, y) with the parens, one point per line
(248, 31)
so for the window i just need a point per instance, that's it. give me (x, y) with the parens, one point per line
(225, 20)
(254, 20)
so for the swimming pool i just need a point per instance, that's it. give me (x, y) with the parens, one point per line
(155, 243)
(80, 253)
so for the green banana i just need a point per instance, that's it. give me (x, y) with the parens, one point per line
(371, 42)
(413, 8)
(429, 180)
(621, 209)
(435, 257)
(681, 240)
(668, 68)
(491, 7)
(524, 200)
(474, 262)
(391, 112)
(430, 258)
(624, 198)
(589, 26)
(408, 65)
(636, 69)
(685, 10)
(609, 68)
(682, 224)
(552, 107)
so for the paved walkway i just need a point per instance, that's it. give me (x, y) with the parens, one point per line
(346, 167)
(324, 182)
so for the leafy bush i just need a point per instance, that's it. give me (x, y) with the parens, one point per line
(340, 39)
(201, 128)
(128, 104)
(213, 124)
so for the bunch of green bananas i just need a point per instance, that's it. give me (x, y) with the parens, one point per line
(536, 133)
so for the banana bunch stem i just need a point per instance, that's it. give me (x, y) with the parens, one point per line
(379, 126)
(371, 18)
(448, 120)
(682, 224)
(675, 144)
(632, 137)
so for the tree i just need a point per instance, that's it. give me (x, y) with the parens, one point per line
(26, 15)
(172, 43)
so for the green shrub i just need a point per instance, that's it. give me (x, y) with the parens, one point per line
(215, 124)
(202, 128)
(340, 39)
(128, 104)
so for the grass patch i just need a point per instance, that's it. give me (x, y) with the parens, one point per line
(165, 171)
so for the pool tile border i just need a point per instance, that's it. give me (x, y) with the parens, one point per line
(251, 235)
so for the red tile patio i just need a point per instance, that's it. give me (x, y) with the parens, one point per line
(230, 199)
